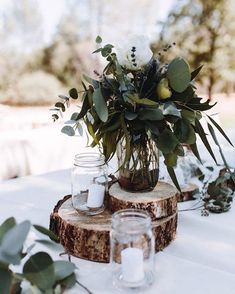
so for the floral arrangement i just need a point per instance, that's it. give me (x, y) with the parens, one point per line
(143, 104)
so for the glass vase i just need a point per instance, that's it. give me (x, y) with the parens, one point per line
(141, 171)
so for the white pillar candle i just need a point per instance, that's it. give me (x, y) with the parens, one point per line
(95, 196)
(132, 264)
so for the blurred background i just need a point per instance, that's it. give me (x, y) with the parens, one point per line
(46, 45)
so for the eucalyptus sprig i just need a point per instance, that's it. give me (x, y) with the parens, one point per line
(43, 274)
(136, 96)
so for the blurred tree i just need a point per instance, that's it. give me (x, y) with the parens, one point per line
(205, 34)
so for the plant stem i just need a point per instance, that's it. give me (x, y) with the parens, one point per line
(84, 287)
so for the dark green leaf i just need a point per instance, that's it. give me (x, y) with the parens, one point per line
(196, 72)
(197, 105)
(60, 105)
(150, 114)
(195, 151)
(171, 173)
(63, 269)
(184, 132)
(5, 281)
(14, 239)
(178, 74)
(46, 232)
(91, 81)
(39, 270)
(220, 129)
(98, 40)
(69, 282)
(130, 115)
(203, 137)
(127, 142)
(73, 93)
(74, 116)
(189, 115)
(179, 150)
(100, 105)
(167, 141)
(142, 101)
(68, 130)
(97, 50)
(6, 226)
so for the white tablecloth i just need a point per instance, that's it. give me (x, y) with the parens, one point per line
(200, 260)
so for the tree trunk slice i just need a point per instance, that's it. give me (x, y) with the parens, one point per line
(87, 237)
(161, 202)
(187, 193)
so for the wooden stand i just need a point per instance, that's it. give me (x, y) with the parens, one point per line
(88, 236)
(187, 193)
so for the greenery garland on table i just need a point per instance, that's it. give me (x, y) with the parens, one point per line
(137, 94)
(43, 274)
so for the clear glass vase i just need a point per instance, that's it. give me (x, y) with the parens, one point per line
(141, 171)
(132, 249)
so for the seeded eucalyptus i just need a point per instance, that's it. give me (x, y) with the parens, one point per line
(140, 102)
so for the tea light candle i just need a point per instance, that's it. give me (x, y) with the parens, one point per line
(132, 264)
(95, 196)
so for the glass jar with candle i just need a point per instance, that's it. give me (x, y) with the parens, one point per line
(89, 183)
(132, 249)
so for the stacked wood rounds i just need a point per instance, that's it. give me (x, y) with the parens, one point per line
(88, 236)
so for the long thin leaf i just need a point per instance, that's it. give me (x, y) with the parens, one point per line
(195, 151)
(203, 137)
(128, 143)
(211, 130)
(196, 72)
(172, 174)
(220, 129)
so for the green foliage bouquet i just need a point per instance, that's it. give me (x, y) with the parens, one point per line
(140, 104)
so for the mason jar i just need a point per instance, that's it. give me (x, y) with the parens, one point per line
(132, 249)
(89, 183)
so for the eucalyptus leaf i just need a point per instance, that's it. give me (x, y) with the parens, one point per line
(73, 93)
(100, 105)
(14, 239)
(60, 105)
(63, 269)
(6, 226)
(178, 74)
(46, 232)
(142, 101)
(68, 130)
(91, 81)
(98, 40)
(169, 108)
(130, 115)
(184, 132)
(5, 281)
(150, 114)
(167, 141)
(39, 270)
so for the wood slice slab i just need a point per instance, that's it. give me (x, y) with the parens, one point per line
(187, 193)
(87, 237)
(161, 202)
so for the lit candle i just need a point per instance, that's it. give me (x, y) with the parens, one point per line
(132, 260)
(95, 196)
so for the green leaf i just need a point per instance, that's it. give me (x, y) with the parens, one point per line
(142, 101)
(196, 72)
(170, 159)
(98, 40)
(167, 141)
(171, 173)
(68, 130)
(197, 105)
(195, 151)
(73, 93)
(220, 129)
(60, 105)
(85, 107)
(203, 137)
(128, 143)
(91, 81)
(100, 105)
(5, 281)
(63, 269)
(69, 282)
(184, 132)
(46, 232)
(178, 74)
(150, 114)
(189, 115)
(14, 239)
(39, 270)
(6, 226)
(97, 50)
(130, 115)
